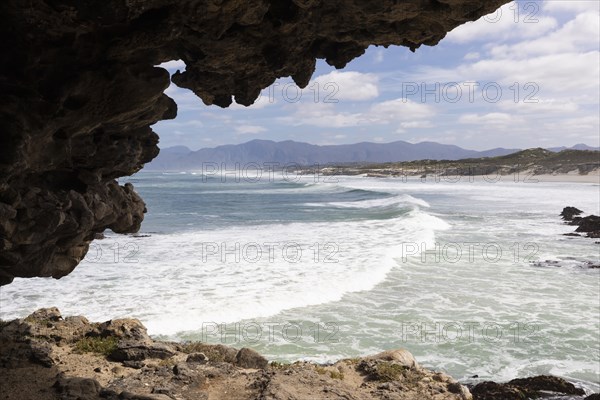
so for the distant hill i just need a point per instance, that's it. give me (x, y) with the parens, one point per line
(288, 152)
(533, 161)
(579, 146)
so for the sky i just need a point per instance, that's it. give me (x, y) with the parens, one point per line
(525, 76)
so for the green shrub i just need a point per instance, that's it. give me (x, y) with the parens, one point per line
(209, 351)
(98, 345)
(336, 375)
(352, 361)
(280, 366)
(320, 370)
(387, 372)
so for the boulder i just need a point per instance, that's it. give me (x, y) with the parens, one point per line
(248, 358)
(547, 383)
(136, 351)
(569, 212)
(590, 223)
(73, 388)
(523, 388)
(400, 356)
(124, 329)
(199, 358)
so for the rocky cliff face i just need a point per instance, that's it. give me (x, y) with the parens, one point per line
(79, 92)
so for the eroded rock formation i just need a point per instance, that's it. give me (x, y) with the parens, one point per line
(79, 92)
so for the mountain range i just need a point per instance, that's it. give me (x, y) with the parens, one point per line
(291, 152)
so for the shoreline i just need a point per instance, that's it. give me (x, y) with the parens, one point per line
(593, 177)
(417, 177)
(47, 357)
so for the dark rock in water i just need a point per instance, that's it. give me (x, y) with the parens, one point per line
(575, 221)
(567, 263)
(547, 383)
(525, 388)
(496, 391)
(569, 212)
(594, 396)
(547, 263)
(590, 223)
(591, 265)
(572, 234)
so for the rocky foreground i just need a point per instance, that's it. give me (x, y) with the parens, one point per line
(46, 356)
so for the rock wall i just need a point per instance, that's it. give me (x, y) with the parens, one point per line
(79, 92)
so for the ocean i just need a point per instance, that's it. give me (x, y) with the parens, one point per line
(472, 276)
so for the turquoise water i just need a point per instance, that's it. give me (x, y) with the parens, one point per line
(463, 274)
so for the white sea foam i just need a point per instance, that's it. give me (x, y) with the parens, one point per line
(400, 200)
(176, 283)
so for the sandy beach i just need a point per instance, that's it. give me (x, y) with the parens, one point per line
(592, 177)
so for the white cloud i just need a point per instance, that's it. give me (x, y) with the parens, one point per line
(574, 36)
(416, 125)
(560, 54)
(384, 113)
(490, 118)
(543, 106)
(472, 56)
(346, 86)
(563, 64)
(513, 20)
(173, 65)
(192, 123)
(590, 124)
(399, 110)
(249, 129)
(571, 5)
(321, 115)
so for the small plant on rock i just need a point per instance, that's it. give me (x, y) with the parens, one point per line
(98, 345)
(388, 372)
